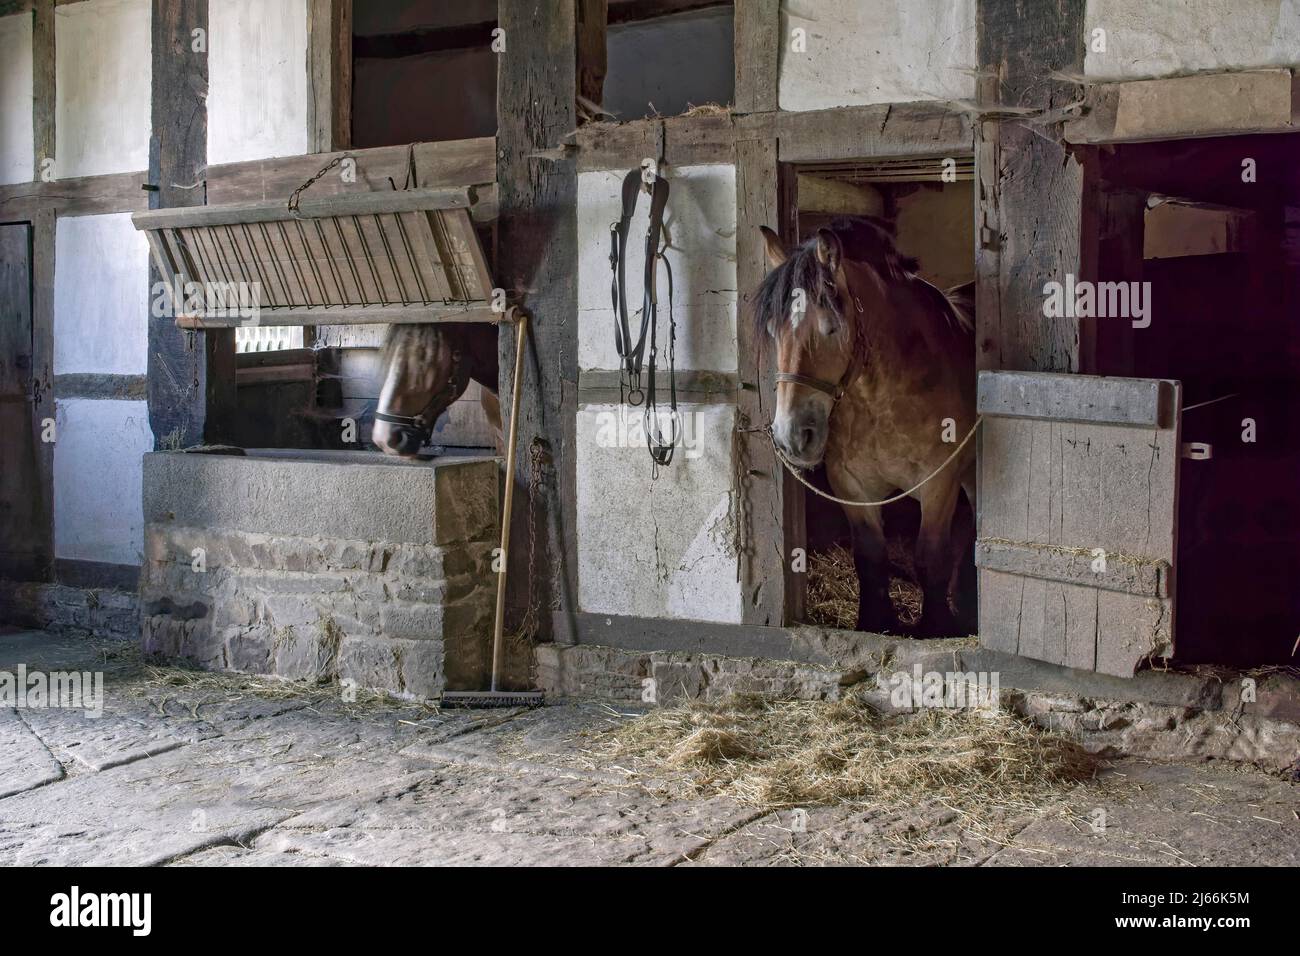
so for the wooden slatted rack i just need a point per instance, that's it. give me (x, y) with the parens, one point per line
(357, 258)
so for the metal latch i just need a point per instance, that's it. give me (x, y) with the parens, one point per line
(1198, 450)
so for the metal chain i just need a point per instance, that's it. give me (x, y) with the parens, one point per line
(529, 626)
(293, 199)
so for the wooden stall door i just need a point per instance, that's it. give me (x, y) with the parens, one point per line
(22, 535)
(1077, 517)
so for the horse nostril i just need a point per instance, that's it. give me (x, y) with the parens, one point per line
(806, 437)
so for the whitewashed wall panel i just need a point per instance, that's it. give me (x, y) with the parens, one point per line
(257, 79)
(1149, 38)
(656, 548)
(701, 223)
(857, 52)
(101, 296)
(98, 515)
(16, 137)
(102, 80)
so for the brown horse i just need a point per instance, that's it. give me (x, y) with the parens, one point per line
(877, 379)
(426, 368)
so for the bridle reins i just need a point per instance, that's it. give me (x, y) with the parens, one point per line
(422, 422)
(633, 354)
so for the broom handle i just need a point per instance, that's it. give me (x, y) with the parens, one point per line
(498, 632)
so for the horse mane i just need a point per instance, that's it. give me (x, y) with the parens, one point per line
(864, 239)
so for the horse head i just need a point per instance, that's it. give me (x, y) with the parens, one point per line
(425, 369)
(811, 305)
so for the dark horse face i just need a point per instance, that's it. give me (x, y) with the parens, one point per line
(801, 306)
(426, 368)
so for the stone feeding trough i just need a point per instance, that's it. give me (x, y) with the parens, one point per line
(322, 565)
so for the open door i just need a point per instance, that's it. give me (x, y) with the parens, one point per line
(1078, 483)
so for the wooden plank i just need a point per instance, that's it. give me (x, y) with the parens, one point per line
(329, 74)
(757, 43)
(687, 141)
(43, 84)
(350, 204)
(44, 409)
(345, 315)
(24, 530)
(1111, 229)
(766, 573)
(80, 196)
(859, 132)
(191, 378)
(465, 162)
(1029, 189)
(593, 16)
(1074, 566)
(1185, 107)
(537, 249)
(1143, 402)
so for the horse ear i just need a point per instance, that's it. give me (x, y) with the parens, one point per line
(830, 252)
(776, 254)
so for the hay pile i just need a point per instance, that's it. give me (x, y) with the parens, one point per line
(833, 589)
(774, 754)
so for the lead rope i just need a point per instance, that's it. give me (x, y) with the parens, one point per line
(794, 470)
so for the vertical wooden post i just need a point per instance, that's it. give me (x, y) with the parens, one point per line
(43, 80)
(593, 60)
(191, 374)
(1029, 189)
(757, 55)
(537, 249)
(329, 74)
(44, 409)
(771, 591)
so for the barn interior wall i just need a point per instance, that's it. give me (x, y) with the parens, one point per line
(100, 293)
(257, 80)
(16, 133)
(659, 547)
(1150, 38)
(102, 90)
(692, 57)
(858, 52)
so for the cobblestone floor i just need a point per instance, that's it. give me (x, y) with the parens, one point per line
(212, 774)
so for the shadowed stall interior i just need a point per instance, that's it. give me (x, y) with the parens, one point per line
(932, 222)
(1217, 223)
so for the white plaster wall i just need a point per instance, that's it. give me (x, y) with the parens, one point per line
(102, 83)
(877, 51)
(257, 79)
(98, 515)
(16, 137)
(656, 548)
(701, 223)
(101, 296)
(1146, 38)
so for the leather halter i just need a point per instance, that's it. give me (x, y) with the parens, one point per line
(835, 390)
(633, 353)
(422, 423)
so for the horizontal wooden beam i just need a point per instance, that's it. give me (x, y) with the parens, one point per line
(846, 133)
(462, 162)
(1213, 104)
(601, 386)
(349, 315)
(348, 204)
(1066, 397)
(80, 196)
(1093, 569)
(100, 386)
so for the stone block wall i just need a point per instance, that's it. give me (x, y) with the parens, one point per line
(345, 566)
(102, 612)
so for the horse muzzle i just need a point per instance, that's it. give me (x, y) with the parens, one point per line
(403, 441)
(802, 437)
